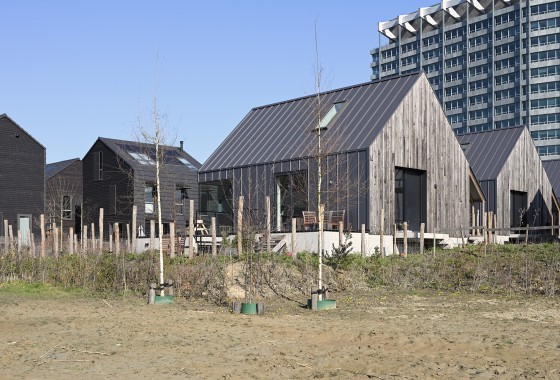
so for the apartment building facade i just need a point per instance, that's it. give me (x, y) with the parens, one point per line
(492, 63)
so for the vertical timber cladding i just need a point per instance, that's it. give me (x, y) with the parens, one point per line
(418, 136)
(344, 186)
(523, 171)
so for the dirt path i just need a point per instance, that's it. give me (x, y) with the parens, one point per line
(374, 335)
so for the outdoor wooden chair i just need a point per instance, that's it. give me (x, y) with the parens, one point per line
(334, 218)
(309, 219)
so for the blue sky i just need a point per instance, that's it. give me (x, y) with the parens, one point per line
(73, 70)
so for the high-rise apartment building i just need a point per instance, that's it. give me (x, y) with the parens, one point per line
(492, 63)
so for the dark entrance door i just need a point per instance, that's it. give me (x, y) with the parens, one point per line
(410, 197)
(518, 208)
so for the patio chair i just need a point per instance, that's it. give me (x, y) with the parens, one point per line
(309, 220)
(334, 218)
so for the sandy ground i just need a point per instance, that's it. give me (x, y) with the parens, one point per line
(376, 335)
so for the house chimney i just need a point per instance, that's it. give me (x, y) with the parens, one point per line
(181, 145)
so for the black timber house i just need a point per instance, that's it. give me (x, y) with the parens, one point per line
(385, 145)
(22, 179)
(118, 174)
(64, 195)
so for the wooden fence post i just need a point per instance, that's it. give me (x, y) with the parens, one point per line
(116, 231)
(268, 247)
(93, 240)
(128, 247)
(405, 243)
(422, 228)
(527, 235)
(172, 239)
(478, 224)
(395, 250)
(489, 227)
(101, 221)
(43, 235)
(382, 233)
(85, 239)
(71, 240)
(363, 241)
(191, 229)
(473, 220)
(11, 237)
(340, 234)
(75, 237)
(152, 234)
(240, 225)
(6, 236)
(214, 240)
(134, 228)
(55, 239)
(293, 247)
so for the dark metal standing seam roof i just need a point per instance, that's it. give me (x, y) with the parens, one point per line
(283, 131)
(552, 169)
(56, 167)
(488, 151)
(121, 147)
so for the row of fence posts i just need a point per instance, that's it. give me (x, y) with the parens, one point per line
(89, 243)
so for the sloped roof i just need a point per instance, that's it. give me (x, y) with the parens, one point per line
(123, 148)
(2, 116)
(284, 130)
(552, 168)
(56, 167)
(488, 151)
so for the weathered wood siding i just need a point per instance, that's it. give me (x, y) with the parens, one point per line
(524, 171)
(418, 136)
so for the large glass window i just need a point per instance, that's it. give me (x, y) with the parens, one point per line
(291, 198)
(181, 195)
(149, 198)
(410, 197)
(142, 158)
(216, 200)
(66, 207)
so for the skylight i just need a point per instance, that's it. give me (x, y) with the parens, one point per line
(185, 162)
(142, 158)
(335, 109)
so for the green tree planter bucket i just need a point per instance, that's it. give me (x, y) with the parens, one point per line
(323, 305)
(249, 308)
(163, 300)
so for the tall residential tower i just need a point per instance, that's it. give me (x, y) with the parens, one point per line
(492, 63)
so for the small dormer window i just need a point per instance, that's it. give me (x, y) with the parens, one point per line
(142, 158)
(465, 147)
(331, 114)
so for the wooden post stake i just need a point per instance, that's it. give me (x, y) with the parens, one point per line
(7, 240)
(11, 237)
(101, 221)
(152, 234)
(363, 242)
(340, 234)
(55, 240)
(422, 228)
(293, 247)
(85, 239)
(489, 227)
(75, 237)
(527, 235)
(93, 240)
(462, 237)
(172, 239)
(32, 242)
(477, 231)
(267, 203)
(134, 227)
(382, 233)
(191, 229)
(43, 237)
(128, 247)
(116, 231)
(240, 225)
(395, 250)
(110, 243)
(405, 228)
(71, 240)
(473, 220)
(214, 240)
